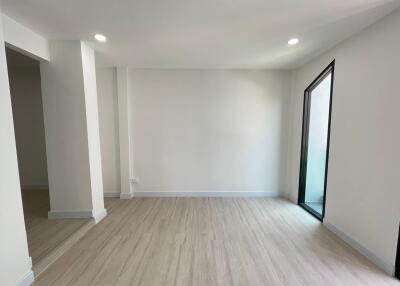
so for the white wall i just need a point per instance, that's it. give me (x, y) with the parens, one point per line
(66, 135)
(27, 106)
(24, 39)
(108, 120)
(215, 131)
(14, 257)
(363, 197)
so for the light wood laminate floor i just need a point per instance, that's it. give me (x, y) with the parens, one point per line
(210, 241)
(45, 235)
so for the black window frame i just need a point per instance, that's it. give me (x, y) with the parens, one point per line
(397, 263)
(330, 69)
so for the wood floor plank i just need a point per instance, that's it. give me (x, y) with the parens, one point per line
(207, 242)
(44, 235)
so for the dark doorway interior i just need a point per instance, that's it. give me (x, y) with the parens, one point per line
(26, 99)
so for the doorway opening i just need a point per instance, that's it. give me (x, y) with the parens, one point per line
(315, 143)
(46, 238)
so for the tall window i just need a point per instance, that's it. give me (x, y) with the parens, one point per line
(315, 143)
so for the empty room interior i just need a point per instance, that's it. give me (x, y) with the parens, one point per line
(219, 143)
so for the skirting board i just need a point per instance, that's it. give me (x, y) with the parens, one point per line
(112, 194)
(209, 194)
(385, 266)
(99, 215)
(126, 196)
(27, 280)
(29, 277)
(70, 214)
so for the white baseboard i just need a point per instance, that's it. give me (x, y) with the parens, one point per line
(34, 187)
(126, 196)
(209, 194)
(99, 215)
(388, 267)
(27, 280)
(70, 214)
(215, 194)
(29, 277)
(112, 194)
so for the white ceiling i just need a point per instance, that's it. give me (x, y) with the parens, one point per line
(201, 33)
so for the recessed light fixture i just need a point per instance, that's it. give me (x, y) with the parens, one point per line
(293, 42)
(100, 38)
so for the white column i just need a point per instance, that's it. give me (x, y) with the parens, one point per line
(14, 256)
(72, 132)
(125, 133)
(93, 130)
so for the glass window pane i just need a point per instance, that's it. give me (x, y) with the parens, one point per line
(317, 144)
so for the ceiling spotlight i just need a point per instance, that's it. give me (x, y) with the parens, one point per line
(293, 42)
(100, 38)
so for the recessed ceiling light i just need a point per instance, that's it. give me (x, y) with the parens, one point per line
(100, 38)
(293, 42)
